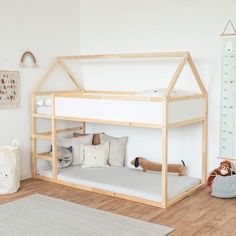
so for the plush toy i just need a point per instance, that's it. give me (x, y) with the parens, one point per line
(64, 157)
(153, 166)
(225, 169)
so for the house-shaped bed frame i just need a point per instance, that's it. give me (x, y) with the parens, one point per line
(165, 125)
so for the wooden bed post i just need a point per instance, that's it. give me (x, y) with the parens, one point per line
(204, 140)
(54, 140)
(205, 121)
(164, 184)
(165, 127)
(33, 140)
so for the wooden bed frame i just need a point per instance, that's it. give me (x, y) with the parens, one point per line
(113, 95)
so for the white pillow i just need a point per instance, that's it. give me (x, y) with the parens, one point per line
(75, 144)
(117, 149)
(95, 155)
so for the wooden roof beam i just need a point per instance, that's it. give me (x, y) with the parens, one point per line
(125, 56)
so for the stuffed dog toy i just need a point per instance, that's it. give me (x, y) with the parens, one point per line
(153, 166)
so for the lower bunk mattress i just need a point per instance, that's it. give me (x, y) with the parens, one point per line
(124, 180)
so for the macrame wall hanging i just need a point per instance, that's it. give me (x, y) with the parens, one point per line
(228, 93)
(9, 86)
(30, 55)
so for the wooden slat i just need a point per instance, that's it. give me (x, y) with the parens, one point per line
(71, 75)
(196, 75)
(176, 76)
(64, 130)
(41, 136)
(190, 97)
(45, 77)
(111, 97)
(124, 56)
(49, 93)
(110, 92)
(72, 129)
(186, 122)
(111, 122)
(42, 116)
(44, 156)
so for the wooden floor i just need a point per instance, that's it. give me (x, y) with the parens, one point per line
(199, 214)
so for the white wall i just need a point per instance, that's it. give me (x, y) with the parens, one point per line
(159, 25)
(48, 28)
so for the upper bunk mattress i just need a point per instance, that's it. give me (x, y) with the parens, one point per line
(129, 181)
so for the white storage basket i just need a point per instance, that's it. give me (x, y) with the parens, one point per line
(9, 168)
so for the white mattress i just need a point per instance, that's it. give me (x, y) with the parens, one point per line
(125, 180)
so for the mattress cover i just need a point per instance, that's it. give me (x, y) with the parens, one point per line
(125, 180)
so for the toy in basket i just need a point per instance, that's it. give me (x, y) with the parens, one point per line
(222, 181)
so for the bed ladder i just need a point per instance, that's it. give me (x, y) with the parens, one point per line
(48, 135)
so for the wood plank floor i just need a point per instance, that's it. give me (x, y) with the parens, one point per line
(198, 214)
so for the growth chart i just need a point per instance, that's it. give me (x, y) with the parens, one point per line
(228, 97)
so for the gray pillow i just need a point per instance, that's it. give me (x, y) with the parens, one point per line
(117, 149)
(224, 186)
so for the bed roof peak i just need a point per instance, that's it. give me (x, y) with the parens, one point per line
(184, 56)
(51, 68)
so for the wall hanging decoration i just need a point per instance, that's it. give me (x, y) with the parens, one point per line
(31, 56)
(9, 87)
(228, 94)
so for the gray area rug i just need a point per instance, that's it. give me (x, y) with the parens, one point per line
(39, 215)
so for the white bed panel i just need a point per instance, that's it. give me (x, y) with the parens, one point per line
(128, 111)
(186, 110)
(125, 180)
(44, 110)
(114, 110)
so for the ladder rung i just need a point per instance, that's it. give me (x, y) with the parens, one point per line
(43, 116)
(43, 156)
(46, 136)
